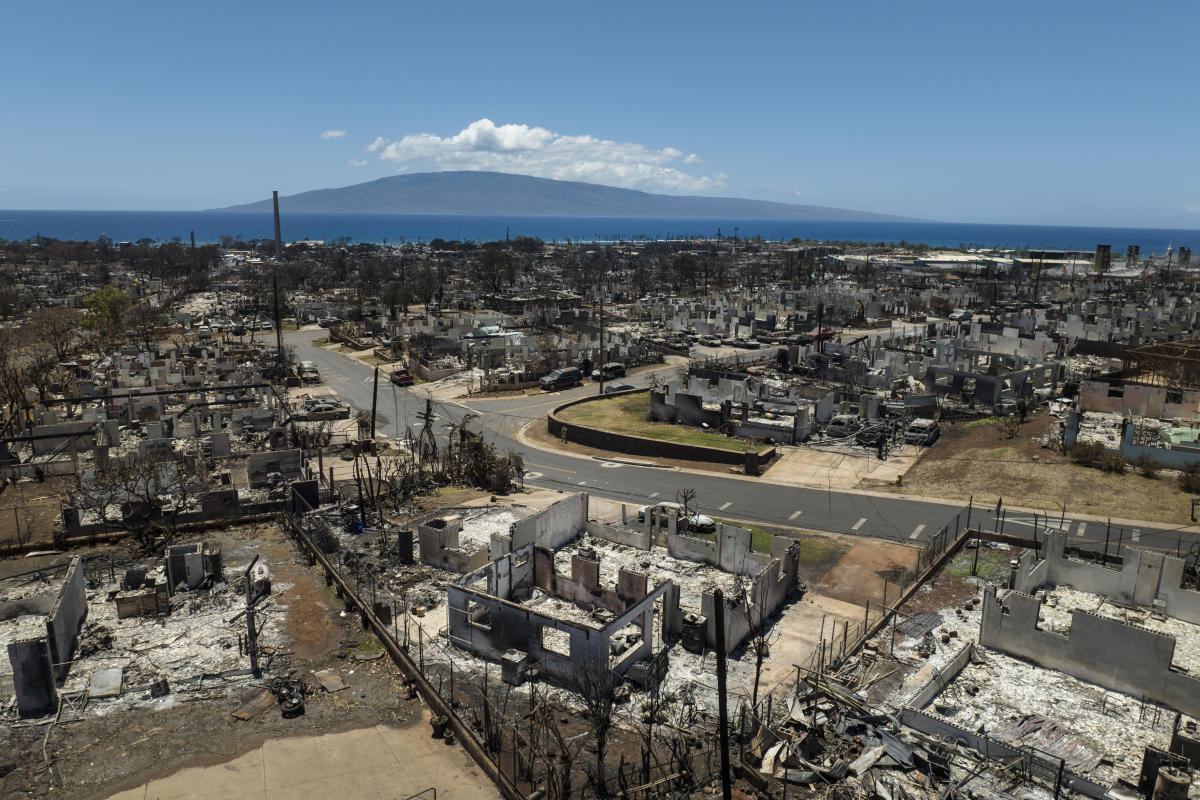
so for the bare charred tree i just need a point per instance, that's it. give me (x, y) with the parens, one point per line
(54, 328)
(595, 687)
(152, 493)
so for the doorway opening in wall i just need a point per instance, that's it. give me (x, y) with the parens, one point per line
(623, 643)
(479, 615)
(556, 641)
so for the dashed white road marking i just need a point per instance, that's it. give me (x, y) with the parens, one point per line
(1082, 529)
(727, 505)
(858, 524)
(610, 464)
(795, 514)
(583, 483)
(654, 495)
(1135, 535)
(917, 531)
(533, 475)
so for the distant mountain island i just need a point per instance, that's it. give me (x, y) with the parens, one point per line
(505, 194)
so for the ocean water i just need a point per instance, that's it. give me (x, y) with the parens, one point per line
(209, 226)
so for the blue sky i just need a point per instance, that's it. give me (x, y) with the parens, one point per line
(1043, 112)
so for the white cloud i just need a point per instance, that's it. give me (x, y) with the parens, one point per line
(693, 159)
(1194, 208)
(357, 162)
(332, 134)
(528, 150)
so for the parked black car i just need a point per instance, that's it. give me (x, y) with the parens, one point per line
(562, 379)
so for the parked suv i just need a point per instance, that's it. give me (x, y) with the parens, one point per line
(613, 369)
(562, 379)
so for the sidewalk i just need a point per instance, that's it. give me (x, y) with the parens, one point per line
(367, 764)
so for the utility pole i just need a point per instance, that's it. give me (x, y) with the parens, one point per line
(278, 327)
(600, 297)
(278, 238)
(251, 629)
(374, 398)
(723, 710)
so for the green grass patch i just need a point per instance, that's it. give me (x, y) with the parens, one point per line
(1002, 452)
(993, 564)
(630, 415)
(977, 422)
(320, 342)
(369, 646)
(815, 550)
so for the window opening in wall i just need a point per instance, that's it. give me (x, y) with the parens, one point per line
(479, 614)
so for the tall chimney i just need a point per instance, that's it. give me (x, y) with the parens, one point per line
(278, 240)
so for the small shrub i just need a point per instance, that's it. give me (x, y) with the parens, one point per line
(1189, 479)
(1111, 462)
(1087, 453)
(1147, 466)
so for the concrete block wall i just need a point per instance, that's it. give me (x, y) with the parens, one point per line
(440, 546)
(490, 626)
(1142, 401)
(771, 588)
(629, 537)
(65, 619)
(1113, 654)
(1146, 578)
(729, 551)
(1168, 457)
(553, 526)
(33, 677)
(583, 586)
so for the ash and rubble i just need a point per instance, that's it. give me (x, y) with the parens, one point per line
(145, 634)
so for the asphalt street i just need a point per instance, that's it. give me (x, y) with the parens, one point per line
(739, 498)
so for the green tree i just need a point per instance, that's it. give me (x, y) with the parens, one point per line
(105, 309)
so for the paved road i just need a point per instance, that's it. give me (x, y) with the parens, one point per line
(894, 518)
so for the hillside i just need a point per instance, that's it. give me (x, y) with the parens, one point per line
(495, 193)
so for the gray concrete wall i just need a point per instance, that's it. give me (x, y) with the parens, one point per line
(1168, 458)
(629, 537)
(33, 677)
(1146, 578)
(553, 526)
(728, 551)
(1115, 655)
(259, 465)
(489, 626)
(942, 678)
(769, 590)
(77, 436)
(66, 618)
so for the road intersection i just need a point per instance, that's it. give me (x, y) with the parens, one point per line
(742, 498)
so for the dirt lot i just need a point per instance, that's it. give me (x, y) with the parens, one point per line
(858, 576)
(979, 461)
(126, 747)
(29, 509)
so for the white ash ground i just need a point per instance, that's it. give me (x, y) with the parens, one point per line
(191, 647)
(1003, 689)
